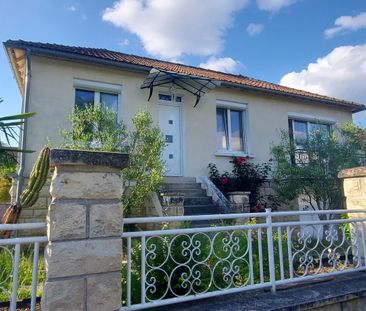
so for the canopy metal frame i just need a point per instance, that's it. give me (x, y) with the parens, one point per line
(195, 85)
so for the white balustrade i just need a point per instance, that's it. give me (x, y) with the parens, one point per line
(11, 251)
(243, 252)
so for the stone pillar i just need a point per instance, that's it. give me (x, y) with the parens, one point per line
(354, 189)
(84, 252)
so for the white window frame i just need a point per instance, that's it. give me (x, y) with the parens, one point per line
(100, 87)
(300, 157)
(293, 117)
(172, 101)
(243, 108)
(311, 118)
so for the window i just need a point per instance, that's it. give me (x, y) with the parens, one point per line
(301, 130)
(83, 98)
(230, 129)
(165, 97)
(86, 97)
(94, 93)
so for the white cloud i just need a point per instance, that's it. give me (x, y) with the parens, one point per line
(223, 64)
(170, 29)
(72, 8)
(347, 23)
(273, 5)
(254, 29)
(341, 74)
(124, 42)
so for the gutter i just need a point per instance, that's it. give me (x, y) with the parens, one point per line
(23, 136)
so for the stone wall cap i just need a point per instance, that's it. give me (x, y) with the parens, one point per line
(89, 157)
(353, 172)
(239, 193)
(172, 194)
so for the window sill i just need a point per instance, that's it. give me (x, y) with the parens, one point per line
(233, 154)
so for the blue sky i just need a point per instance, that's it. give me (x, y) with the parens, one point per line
(310, 44)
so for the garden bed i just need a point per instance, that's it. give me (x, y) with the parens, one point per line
(23, 305)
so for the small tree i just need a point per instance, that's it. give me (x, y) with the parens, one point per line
(94, 128)
(311, 173)
(146, 169)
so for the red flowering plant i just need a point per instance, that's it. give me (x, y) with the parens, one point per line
(245, 176)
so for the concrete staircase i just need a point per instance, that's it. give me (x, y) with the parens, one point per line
(196, 201)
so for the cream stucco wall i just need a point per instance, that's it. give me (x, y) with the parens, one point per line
(52, 96)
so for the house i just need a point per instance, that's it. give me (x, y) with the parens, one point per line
(205, 116)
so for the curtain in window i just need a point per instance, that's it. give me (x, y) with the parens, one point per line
(236, 130)
(222, 129)
(300, 133)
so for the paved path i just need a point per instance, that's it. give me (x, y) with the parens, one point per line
(296, 297)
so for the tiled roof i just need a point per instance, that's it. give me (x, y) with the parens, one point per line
(239, 80)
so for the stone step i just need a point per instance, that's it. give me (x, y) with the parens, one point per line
(200, 210)
(190, 200)
(193, 192)
(196, 201)
(180, 186)
(178, 180)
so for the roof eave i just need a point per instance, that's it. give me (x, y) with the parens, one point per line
(353, 108)
(13, 67)
(78, 57)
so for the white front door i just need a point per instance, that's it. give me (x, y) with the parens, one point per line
(170, 126)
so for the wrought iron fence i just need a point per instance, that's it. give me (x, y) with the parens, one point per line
(241, 252)
(19, 266)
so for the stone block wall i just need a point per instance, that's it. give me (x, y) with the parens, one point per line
(354, 187)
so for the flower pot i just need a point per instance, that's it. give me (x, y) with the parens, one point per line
(239, 201)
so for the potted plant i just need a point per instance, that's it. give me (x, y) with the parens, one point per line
(242, 185)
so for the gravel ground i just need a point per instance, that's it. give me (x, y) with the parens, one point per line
(25, 308)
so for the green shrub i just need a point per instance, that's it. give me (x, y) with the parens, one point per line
(311, 172)
(146, 169)
(94, 128)
(5, 185)
(245, 176)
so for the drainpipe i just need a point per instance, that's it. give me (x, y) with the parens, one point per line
(23, 136)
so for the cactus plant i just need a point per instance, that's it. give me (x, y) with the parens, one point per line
(37, 179)
(30, 194)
